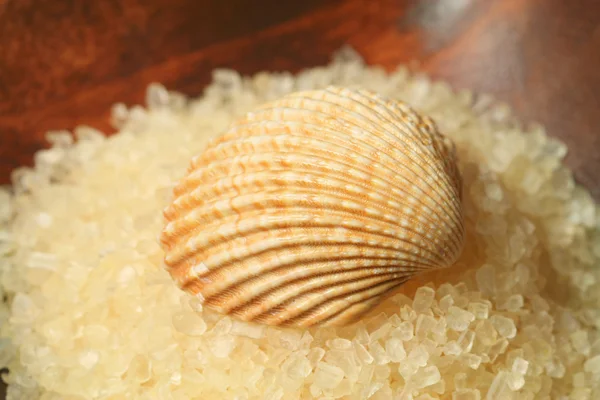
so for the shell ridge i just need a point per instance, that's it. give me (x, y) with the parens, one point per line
(389, 112)
(333, 306)
(338, 134)
(221, 275)
(226, 239)
(278, 238)
(365, 114)
(392, 118)
(356, 309)
(272, 198)
(270, 260)
(252, 304)
(395, 173)
(305, 96)
(387, 147)
(287, 197)
(379, 226)
(291, 273)
(340, 155)
(442, 154)
(337, 185)
(306, 303)
(365, 123)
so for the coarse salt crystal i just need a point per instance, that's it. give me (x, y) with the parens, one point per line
(44, 219)
(504, 326)
(459, 319)
(426, 377)
(472, 361)
(328, 376)
(189, 323)
(498, 387)
(222, 346)
(515, 381)
(479, 310)
(520, 366)
(446, 302)
(513, 303)
(425, 324)
(89, 358)
(240, 328)
(395, 349)
(592, 365)
(296, 367)
(339, 343)
(315, 355)
(423, 299)
(404, 331)
(460, 380)
(363, 354)
(466, 394)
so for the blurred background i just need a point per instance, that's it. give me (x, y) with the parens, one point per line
(65, 62)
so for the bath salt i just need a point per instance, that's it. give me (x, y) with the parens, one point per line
(90, 313)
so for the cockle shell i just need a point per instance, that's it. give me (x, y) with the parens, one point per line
(311, 209)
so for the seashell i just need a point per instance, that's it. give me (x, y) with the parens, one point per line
(311, 209)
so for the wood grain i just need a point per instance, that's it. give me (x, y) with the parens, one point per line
(64, 62)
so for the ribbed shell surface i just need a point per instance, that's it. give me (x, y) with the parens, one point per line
(310, 209)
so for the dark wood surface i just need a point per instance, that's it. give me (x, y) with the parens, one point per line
(64, 62)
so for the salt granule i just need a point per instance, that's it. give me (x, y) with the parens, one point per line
(479, 310)
(466, 394)
(315, 355)
(446, 302)
(426, 377)
(520, 366)
(425, 324)
(515, 381)
(423, 299)
(592, 365)
(370, 390)
(513, 303)
(250, 330)
(88, 359)
(395, 349)
(90, 312)
(297, 367)
(404, 331)
(222, 346)
(472, 361)
(498, 388)
(328, 376)
(580, 342)
(504, 326)
(339, 343)
(379, 354)
(465, 341)
(459, 319)
(579, 380)
(363, 354)
(189, 323)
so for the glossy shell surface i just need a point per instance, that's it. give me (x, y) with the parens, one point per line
(311, 209)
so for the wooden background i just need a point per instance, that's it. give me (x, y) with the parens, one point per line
(64, 62)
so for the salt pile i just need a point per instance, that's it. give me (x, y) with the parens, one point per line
(91, 314)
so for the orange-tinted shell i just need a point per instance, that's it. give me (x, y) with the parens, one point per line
(312, 208)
